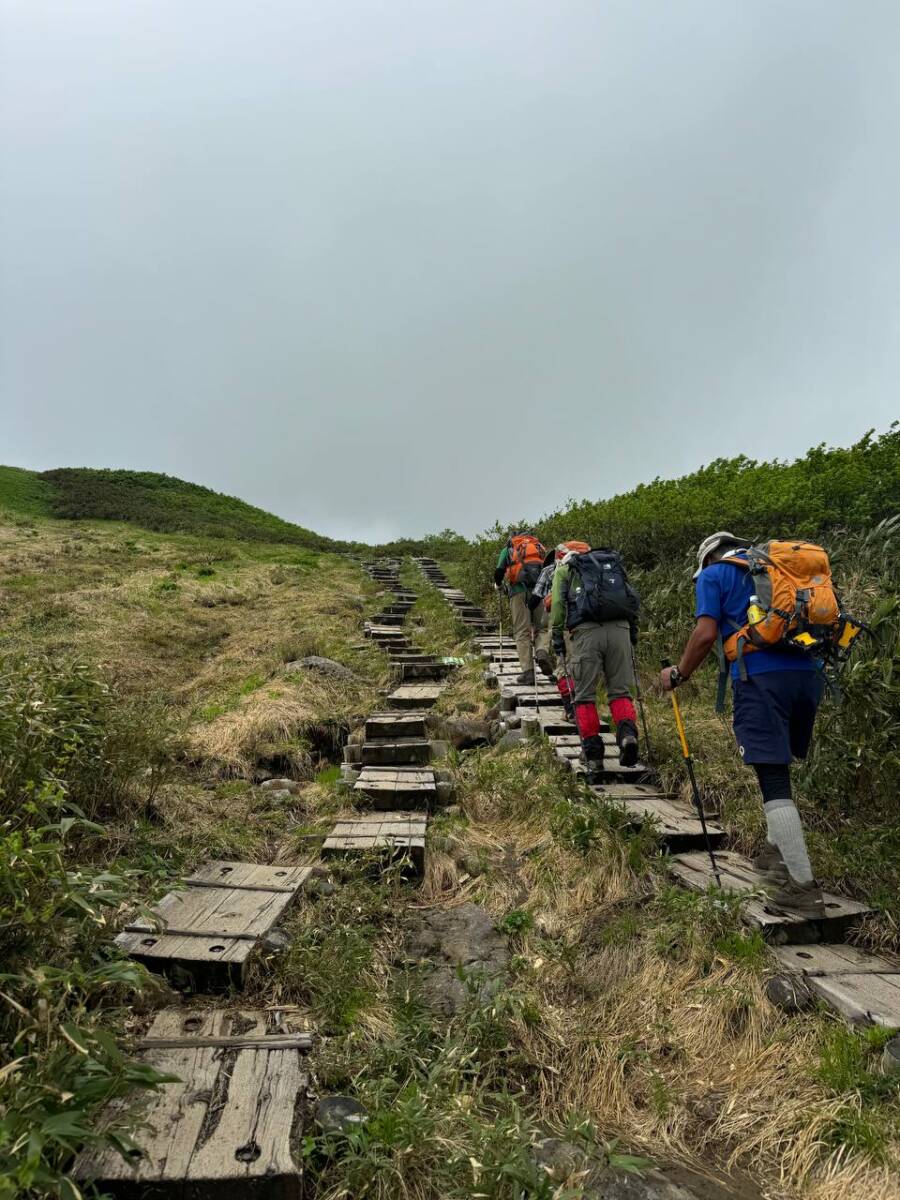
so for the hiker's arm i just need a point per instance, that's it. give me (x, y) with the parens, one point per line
(698, 647)
(558, 594)
(500, 569)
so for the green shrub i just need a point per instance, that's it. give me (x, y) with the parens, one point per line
(65, 756)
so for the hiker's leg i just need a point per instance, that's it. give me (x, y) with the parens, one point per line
(585, 664)
(520, 618)
(762, 719)
(785, 831)
(540, 622)
(565, 683)
(809, 687)
(619, 671)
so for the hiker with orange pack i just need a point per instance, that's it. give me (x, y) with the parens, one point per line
(517, 571)
(775, 616)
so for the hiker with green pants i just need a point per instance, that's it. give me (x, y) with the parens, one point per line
(520, 563)
(593, 602)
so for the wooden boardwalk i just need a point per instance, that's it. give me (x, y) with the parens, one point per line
(204, 934)
(229, 1127)
(861, 986)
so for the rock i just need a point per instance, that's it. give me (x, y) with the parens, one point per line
(472, 865)
(513, 721)
(339, 1114)
(790, 993)
(492, 713)
(559, 1158)
(444, 940)
(490, 680)
(508, 704)
(443, 792)
(281, 785)
(890, 1057)
(276, 941)
(463, 733)
(511, 738)
(324, 887)
(670, 1183)
(324, 666)
(439, 749)
(280, 794)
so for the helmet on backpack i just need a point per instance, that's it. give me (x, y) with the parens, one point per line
(563, 548)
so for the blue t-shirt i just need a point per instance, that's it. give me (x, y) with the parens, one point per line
(723, 593)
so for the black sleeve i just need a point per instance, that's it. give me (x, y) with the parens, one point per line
(499, 573)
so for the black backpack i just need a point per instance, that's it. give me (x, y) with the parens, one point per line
(599, 589)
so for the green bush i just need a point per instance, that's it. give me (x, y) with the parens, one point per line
(162, 503)
(64, 757)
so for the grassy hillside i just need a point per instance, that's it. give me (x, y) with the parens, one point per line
(149, 500)
(24, 493)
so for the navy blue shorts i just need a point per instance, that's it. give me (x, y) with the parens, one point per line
(774, 714)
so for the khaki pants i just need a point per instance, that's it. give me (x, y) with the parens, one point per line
(523, 622)
(603, 649)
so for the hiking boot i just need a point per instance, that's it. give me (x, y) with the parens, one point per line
(525, 677)
(770, 865)
(626, 736)
(544, 661)
(805, 899)
(593, 758)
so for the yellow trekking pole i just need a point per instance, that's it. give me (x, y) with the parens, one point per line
(689, 763)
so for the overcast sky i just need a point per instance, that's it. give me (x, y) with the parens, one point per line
(387, 267)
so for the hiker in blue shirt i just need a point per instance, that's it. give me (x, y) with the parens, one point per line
(777, 692)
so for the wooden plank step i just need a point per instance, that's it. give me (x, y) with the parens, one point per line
(205, 934)
(695, 871)
(415, 695)
(400, 834)
(228, 1127)
(423, 670)
(386, 789)
(863, 987)
(396, 724)
(612, 772)
(396, 751)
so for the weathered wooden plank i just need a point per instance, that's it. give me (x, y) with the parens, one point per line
(206, 934)
(409, 695)
(398, 750)
(252, 875)
(863, 987)
(229, 1127)
(737, 875)
(397, 833)
(396, 724)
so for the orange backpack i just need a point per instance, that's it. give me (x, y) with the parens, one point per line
(794, 602)
(526, 559)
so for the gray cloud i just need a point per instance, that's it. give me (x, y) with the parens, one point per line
(383, 268)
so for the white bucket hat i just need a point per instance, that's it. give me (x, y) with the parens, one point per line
(713, 542)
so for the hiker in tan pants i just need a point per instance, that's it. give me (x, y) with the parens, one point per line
(518, 566)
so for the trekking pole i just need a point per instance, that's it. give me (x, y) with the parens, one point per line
(640, 700)
(689, 763)
(534, 672)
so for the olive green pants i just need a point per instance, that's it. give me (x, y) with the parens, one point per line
(524, 623)
(603, 649)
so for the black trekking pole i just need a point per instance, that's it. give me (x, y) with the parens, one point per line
(689, 763)
(640, 700)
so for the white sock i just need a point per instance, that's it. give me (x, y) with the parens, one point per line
(786, 832)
